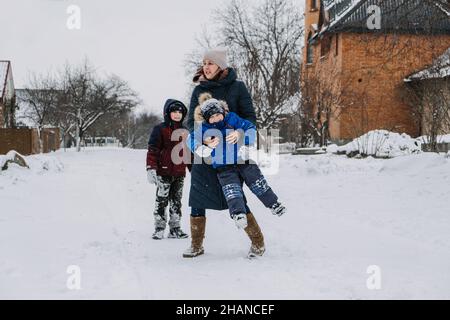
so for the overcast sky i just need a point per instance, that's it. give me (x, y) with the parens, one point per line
(144, 42)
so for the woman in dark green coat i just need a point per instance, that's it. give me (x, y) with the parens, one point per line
(216, 78)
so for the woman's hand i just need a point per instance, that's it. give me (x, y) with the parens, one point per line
(212, 143)
(233, 137)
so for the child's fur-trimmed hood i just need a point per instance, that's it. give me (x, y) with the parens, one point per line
(198, 117)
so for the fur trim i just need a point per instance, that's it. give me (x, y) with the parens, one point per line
(198, 114)
(204, 96)
(198, 117)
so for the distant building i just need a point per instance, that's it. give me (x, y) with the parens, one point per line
(101, 142)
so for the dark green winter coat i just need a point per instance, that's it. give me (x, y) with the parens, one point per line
(206, 192)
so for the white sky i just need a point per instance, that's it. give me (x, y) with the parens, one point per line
(142, 41)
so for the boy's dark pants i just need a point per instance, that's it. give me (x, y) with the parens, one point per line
(229, 180)
(169, 192)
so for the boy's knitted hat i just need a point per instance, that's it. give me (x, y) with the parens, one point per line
(177, 106)
(211, 107)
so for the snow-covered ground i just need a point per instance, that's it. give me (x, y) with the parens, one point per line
(94, 210)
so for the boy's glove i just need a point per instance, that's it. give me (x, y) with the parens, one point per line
(204, 151)
(152, 177)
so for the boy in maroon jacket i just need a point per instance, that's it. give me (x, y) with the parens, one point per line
(167, 176)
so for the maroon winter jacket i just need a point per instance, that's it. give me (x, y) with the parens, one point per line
(160, 145)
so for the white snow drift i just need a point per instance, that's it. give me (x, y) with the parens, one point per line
(93, 211)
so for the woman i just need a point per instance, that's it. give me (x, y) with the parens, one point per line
(221, 82)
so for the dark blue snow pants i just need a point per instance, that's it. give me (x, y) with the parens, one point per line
(229, 178)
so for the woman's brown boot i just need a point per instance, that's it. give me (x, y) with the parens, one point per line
(257, 248)
(198, 225)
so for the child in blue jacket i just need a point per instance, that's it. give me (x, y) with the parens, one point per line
(213, 121)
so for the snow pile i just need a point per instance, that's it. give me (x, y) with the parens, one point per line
(416, 164)
(38, 164)
(439, 69)
(48, 163)
(328, 165)
(333, 148)
(381, 144)
(440, 139)
(97, 214)
(4, 158)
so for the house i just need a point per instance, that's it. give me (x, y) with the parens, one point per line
(7, 95)
(25, 139)
(357, 54)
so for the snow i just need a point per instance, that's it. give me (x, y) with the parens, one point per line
(93, 209)
(342, 14)
(440, 139)
(439, 69)
(3, 72)
(382, 144)
(440, 6)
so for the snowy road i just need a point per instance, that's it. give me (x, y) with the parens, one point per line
(344, 215)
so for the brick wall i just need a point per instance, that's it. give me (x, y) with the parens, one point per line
(26, 141)
(365, 72)
(20, 140)
(376, 67)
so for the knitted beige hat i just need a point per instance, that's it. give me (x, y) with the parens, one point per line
(218, 56)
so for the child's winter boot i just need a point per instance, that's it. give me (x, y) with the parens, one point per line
(158, 234)
(278, 209)
(177, 233)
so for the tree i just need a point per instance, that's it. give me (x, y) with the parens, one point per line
(41, 96)
(264, 44)
(430, 102)
(87, 97)
(131, 129)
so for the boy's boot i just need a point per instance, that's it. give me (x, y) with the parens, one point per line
(278, 209)
(177, 233)
(158, 234)
(198, 225)
(257, 248)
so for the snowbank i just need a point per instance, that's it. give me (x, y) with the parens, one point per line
(440, 139)
(344, 215)
(381, 144)
(38, 164)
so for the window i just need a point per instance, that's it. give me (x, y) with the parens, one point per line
(309, 51)
(325, 46)
(313, 4)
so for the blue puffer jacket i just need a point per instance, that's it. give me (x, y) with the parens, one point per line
(225, 153)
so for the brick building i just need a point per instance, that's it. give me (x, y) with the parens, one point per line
(356, 58)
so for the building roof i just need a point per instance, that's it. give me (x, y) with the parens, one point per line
(4, 68)
(438, 70)
(402, 16)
